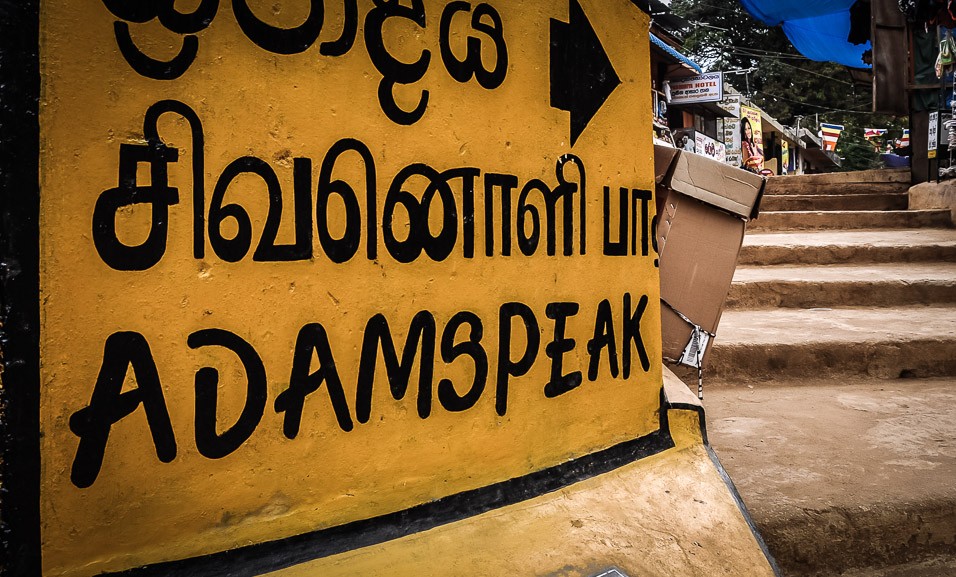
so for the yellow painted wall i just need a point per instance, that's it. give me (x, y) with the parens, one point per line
(278, 107)
(668, 514)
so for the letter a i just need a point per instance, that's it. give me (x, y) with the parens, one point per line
(109, 405)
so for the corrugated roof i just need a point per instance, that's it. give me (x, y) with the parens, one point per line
(667, 48)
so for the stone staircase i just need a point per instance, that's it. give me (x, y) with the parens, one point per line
(831, 388)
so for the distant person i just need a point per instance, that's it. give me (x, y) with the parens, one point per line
(686, 143)
(750, 153)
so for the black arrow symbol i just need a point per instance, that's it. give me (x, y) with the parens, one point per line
(582, 77)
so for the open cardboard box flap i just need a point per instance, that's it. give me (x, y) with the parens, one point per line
(664, 157)
(716, 183)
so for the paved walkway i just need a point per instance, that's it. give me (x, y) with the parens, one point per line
(830, 390)
(828, 469)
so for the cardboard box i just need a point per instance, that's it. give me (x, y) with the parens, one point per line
(716, 183)
(664, 157)
(698, 255)
(703, 206)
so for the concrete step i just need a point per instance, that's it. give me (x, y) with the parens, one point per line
(841, 247)
(880, 201)
(849, 219)
(934, 566)
(789, 186)
(888, 284)
(877, 177)
(842, 476)
(833, 342)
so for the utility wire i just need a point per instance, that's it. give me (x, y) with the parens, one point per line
(771, 52)
(806, 71)
(825, 108)
(721, 8)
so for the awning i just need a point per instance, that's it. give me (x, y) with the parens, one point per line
(810, 140)
(822, 158)
(818, 29)
(701, 107)
(814, 152)
(677, 55)
(770, 124)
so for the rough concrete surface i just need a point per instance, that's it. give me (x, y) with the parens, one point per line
(880, 238)
(933, 567)
(875, 284)
(880, 177)
(880, 201)
(847, 468)
(838, 247)
(934, 195)
(849, 219)
(858, 474)
(761, 345)
(837, 326)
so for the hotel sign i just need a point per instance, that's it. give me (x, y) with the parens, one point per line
(704, 88)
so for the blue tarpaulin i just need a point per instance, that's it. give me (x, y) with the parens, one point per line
(663, 46)
(818, 29)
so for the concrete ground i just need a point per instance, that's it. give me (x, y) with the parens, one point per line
(830, 390)
(935, 567)
(844, 464)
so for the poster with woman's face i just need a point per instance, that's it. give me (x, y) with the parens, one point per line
(751, 137)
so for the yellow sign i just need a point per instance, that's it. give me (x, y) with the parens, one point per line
(307, 265)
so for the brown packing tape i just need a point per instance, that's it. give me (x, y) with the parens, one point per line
(697, 335)
(676, 334)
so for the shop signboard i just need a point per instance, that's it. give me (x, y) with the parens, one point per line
(933, 136)
(731, 128)
(704, 88)
(707, 146)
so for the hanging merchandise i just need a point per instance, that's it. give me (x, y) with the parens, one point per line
(947, 52)
(945, 17)
(920, 11)
(947, 47)
(950, 126)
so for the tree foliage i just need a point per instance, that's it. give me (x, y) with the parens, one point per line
(785, 84)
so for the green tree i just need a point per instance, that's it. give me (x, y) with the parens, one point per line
(785, 84)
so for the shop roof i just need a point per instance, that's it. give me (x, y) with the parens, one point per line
(655, 41)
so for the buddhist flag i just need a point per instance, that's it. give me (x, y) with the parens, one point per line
(905, 141)
(831, 133)
(870, 133)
